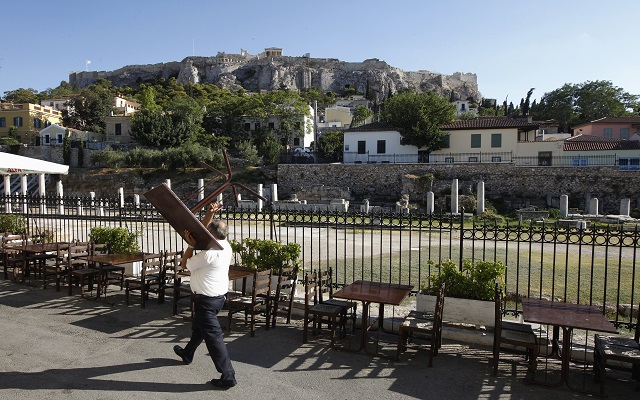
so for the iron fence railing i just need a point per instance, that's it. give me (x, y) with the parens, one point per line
(595, 266)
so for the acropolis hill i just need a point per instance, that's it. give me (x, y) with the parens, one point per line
(270, 70)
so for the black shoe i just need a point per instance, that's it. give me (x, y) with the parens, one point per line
(180, 352)
(219, 383)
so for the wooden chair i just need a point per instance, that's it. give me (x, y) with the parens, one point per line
(56, 266)
(348, 308)
(255, 304)
(178, 280)
(78, 270)
(282, 296)
(13, 259)
(424, 324)
(149, 280)
(315, 310)
(619, 353)
(519, 338)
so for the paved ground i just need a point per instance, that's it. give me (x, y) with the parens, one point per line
(54, 347)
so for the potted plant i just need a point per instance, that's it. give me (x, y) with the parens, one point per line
(118, 241)
(470, 291)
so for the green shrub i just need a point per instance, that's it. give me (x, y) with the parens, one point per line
(475, 280)
(190, 155)
(265, 254)
(13, 223)
(118, 240)
(108, 157)
(143, 158)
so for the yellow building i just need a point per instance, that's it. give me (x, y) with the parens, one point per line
(28, 120)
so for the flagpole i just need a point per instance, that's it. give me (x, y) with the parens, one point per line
(86, 65)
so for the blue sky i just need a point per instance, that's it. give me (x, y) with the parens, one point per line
(512, 46)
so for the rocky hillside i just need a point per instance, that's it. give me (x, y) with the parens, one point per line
(255, 74)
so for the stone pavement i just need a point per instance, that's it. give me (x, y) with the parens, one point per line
(57, 347)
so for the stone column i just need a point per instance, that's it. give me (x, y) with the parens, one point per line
(7, 192)
(121, 197)
(136, 200)
(365, 206)
(23, 191)
(625, 207)
(564, 206)
(79, 210)
(480, 200)
(42, 191)
(92, 196)
(200, 189)
(593, 206)
(260, 191)
(274, 192)
(60, 194)
(430, 202)
(454, 196)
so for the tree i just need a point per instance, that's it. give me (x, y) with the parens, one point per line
(526, 104)
(154, 128)
(559, 105)
(81, 154)
(360, 115)
(66, 148)
(87, 112)
(330, 145)
(419, 118)
(22, 96)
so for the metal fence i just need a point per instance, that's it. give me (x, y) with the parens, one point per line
(590, 266)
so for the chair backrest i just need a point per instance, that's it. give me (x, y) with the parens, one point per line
(310, 290)
(78, 250)
(99, 248)
(172, 261)
(261, 283)
(152, 264)
(286, 282)
(439, 311)
(325, 284)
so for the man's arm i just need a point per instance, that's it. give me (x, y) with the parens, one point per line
(191, 241)
(208, 217)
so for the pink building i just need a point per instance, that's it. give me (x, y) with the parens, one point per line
(610, 127)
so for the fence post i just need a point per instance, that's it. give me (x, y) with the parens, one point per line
(461, 237)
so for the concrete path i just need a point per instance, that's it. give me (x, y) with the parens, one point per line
(58, 347)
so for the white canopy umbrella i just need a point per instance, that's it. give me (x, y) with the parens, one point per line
(14, 164)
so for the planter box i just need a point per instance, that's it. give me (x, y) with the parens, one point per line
(460, 311)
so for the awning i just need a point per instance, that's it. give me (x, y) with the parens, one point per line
(14, 164)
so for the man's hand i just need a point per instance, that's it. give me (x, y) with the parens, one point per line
(188, 237)
(215, 207)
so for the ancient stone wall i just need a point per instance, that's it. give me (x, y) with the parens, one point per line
(513, 186)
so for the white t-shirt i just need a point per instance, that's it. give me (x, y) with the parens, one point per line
(210, 270)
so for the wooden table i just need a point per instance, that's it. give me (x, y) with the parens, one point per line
(34, 252)
(237, 272)
(106, 263)
(568, 317)
(373, 292)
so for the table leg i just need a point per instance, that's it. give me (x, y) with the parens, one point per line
(365, 329)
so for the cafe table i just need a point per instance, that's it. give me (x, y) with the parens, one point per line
(237, 272)
(107, 263)
(373, 292)
(565, 316)
(35, 252)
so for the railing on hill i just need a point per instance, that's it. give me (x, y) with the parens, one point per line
(593, 266)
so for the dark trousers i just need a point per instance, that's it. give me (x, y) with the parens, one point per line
(206, 327)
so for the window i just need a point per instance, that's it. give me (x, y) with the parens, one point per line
(362, 147)
(37, 123)
(473, 159)
(59, 138)
(448, 160)
(3, 122)
(608, 132)
(496, 159)
(577, 161)
(496, 140)
(446, 140)
(272, 126)
(17, 121)
(346, 147)
(257, 126)
(296, 141)
(118, 128)
(382, 146)
(476, 140)
(629, 163)
(624, 133)
(463, 107)
(47, 139)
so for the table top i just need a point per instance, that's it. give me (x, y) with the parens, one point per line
(377, 292)
(114, 259)
(37, 247)
(236, 272)
(578, 316)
